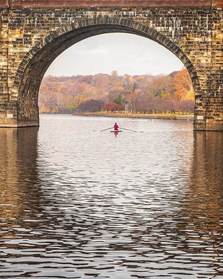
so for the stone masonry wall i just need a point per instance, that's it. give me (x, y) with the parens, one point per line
(109, 3)
(31, 38)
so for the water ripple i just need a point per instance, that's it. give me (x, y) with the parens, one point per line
(77, 203)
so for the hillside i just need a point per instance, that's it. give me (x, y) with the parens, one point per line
(142, 93)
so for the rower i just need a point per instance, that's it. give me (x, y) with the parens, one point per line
(116, 127)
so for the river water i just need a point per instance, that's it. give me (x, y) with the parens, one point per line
(79, 203)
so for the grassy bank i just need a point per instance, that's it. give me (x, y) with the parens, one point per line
(169, 116)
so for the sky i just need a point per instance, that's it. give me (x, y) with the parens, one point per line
(125, 53)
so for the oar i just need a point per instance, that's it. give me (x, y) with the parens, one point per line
(129, 130)
(106, 129)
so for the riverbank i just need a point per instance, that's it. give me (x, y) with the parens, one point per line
(168, 116)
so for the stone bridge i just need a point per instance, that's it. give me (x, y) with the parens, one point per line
(33, 33)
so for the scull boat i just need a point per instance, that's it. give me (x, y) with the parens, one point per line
(116, 131)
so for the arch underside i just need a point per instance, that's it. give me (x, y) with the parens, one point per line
(28, 81)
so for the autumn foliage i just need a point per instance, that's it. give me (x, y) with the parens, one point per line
(141, 93)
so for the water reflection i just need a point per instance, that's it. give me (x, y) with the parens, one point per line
(69, 208)
(205, 194)
(18, 173)
(200, 221)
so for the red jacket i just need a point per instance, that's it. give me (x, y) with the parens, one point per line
(116, 127)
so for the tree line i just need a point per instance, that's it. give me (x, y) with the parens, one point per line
(103, 92)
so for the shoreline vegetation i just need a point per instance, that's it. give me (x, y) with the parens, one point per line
(163, 116)
(140, 96)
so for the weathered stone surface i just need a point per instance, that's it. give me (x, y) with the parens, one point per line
(4, 3)
(217, 3)
(32, 38)
(109, 3)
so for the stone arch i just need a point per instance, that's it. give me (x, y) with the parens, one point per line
(35, 63)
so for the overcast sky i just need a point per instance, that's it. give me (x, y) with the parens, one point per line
(125, 53)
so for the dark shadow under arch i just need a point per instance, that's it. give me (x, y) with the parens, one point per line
(39, 58)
